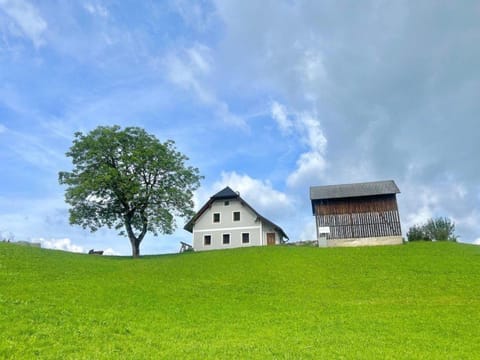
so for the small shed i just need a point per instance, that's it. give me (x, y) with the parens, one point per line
(357, 214)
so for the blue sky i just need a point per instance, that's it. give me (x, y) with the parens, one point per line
(267, 97)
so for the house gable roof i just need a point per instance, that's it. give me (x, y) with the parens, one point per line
(353, 190)
(228, 193)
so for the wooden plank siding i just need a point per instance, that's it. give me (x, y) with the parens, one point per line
(363, 217)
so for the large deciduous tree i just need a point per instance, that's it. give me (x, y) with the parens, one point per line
(128, 180)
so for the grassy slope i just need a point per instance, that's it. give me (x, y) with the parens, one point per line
(412, 301)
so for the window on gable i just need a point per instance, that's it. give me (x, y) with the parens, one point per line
(245, 238)
(226, 203)
(216, 217)
(236, 216)
(207, 240)
(226, 239)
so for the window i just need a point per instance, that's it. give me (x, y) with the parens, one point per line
(226, 203)
(216, 217)
(226, 239)
(207, 240)
(236, 216)
(245, 238)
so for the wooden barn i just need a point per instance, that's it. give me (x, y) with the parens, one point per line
(357, 214)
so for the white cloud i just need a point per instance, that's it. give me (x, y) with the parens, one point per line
(421, 204)
(312, 133)
(200, 58)
(7, 235)
(460, 190)
(27, 18)
(477, 241)
(419, 217)
(308, 231)
(194, 14)
(311, 164)
(260, 194)
(279, 114)
(3, 129)
(189, 69)
(96, 9)
(312, 72)
(64, 244)
(111, 252)
(310, 170)
(35, 150)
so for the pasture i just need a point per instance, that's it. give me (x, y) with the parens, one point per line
(414, 301)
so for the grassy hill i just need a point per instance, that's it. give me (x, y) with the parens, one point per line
(416, 301)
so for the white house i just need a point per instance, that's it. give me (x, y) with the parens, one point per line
(227, 221)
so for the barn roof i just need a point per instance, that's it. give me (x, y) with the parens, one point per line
(228, 193)
(353, 190)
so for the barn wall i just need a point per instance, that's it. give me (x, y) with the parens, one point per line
(355, 218)
(356, 205)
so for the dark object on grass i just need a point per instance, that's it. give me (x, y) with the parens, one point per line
(95, 252)
(185, 247)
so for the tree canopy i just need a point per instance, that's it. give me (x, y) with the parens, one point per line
(128, 180)
(438, 229)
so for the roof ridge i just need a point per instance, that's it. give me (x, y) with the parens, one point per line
(381, 187)
(226, 192)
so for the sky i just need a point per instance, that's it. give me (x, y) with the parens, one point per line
(267, 97)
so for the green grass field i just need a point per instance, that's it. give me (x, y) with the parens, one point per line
(417, 301)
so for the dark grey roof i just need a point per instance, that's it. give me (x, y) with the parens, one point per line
(228, 193)
(353, 190)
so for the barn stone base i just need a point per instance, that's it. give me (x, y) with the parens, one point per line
(372, 241)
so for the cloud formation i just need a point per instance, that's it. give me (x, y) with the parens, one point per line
(27, 20)
(189, 69)
(60, 244)
(305, 127)
(393, 86)
(96, 9)
(280, 115)
(260, 194)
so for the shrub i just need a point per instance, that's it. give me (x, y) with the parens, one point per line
(417, 233)
(439, 229)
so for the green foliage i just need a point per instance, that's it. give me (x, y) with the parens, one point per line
(438, 229)
(415, 301)
(128, 180)
(441, 229)
(417, 233)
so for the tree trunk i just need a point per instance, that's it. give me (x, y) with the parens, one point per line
(135, 248)
(135, 240)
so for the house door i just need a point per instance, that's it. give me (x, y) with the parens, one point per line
(270, 238)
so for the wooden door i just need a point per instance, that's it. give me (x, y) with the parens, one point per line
(270, 238)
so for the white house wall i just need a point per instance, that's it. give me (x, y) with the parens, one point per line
(247, 224)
